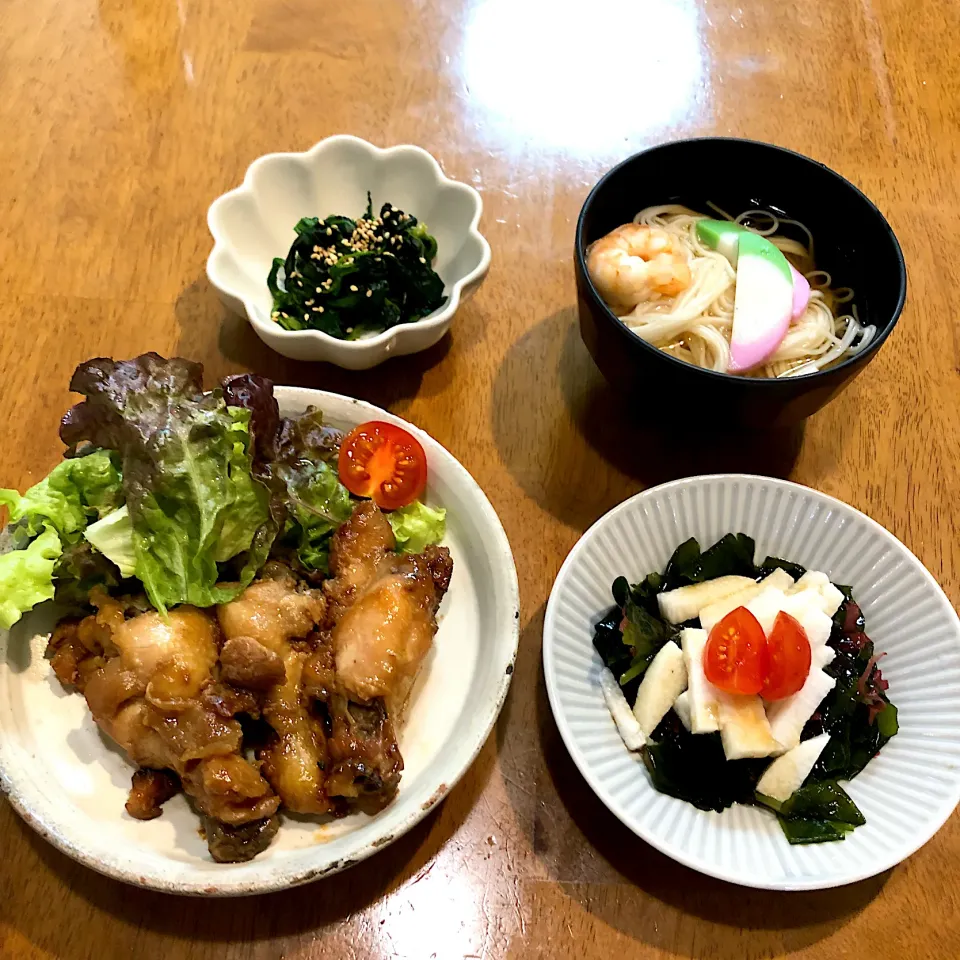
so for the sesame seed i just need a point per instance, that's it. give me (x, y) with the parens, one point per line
(353, 288)
(329, 232)
(423, 259)
(319, 309)
(386, 236)
(349, 329)
(369, 293)
(310, 302)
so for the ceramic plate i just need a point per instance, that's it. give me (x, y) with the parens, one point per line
(906, 793)
(70, 784)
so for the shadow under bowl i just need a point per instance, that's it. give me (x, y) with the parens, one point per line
(853, 242)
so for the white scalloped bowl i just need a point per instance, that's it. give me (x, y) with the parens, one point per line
(254, 223)
(906, 793)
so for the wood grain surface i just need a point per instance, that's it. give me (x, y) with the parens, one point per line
(121, 120)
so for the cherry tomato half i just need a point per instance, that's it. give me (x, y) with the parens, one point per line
(384, 463)
(734, 655)
(787, 658)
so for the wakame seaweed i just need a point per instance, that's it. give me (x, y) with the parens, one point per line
(628, 638)
(817, 812)
(825, 800)
(351, 278)
(643, 594)
(693, 767)
(731, 555)
(777, 563)
(798, 830)
(856, 713)
(615, 654)
(630, 634)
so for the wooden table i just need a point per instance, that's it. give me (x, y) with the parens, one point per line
(121, 120)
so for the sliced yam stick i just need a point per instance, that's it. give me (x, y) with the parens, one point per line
(685, 603)
(623, 717)
(712, 614)
(821, 657)
(704, 696)
(681, 707)
(811, 580)
(789, 716)
(744, 728)
(664, 681)
(830, 598)
(806, 608)
(785, 776)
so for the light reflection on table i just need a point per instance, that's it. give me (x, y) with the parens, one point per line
(554, 75)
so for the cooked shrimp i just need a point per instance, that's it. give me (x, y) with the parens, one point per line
(635, 263)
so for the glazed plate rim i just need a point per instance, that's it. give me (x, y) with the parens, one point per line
(65, 830)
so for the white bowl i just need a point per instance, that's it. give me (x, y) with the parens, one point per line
(70, 784)
(906, 793)
(254, 223)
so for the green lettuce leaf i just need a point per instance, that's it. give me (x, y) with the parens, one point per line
(202, 508)
(317, 504)
(80, 569)
(26, 576)
(187, 475)
(248, 498)
(296, 458)
(113, 537)
(73, 494)
(416, 526)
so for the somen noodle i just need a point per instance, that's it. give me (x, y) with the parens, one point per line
(695, 324)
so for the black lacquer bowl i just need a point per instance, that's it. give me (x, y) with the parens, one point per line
(852, 241)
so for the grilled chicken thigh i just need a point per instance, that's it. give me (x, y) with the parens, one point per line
(324, 673)
(150, 686)
(384, 608)
(269, 621)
